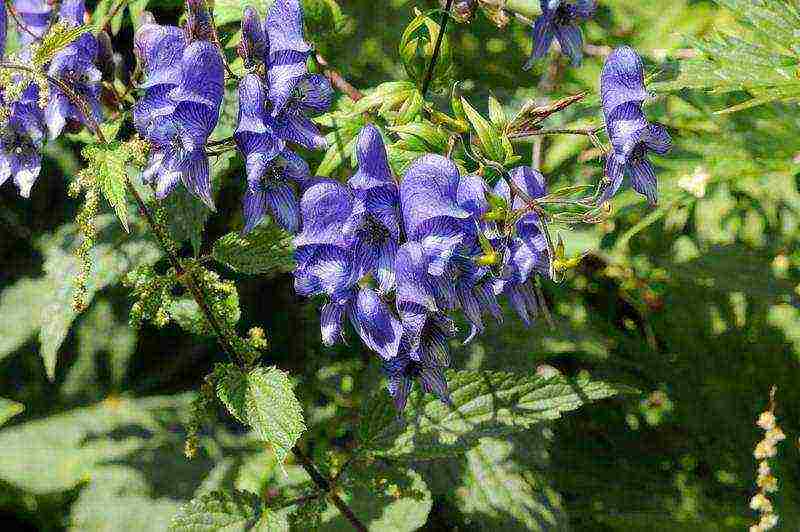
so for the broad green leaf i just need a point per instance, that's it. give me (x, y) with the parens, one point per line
(58, 452)
(112, 257)
(263, 399)
(9, 409)
(400, 502)
(496, 487)
(186, 217)
(490, 141)
(484, 403)
(267, 249)
(230, 511)
(22, 305)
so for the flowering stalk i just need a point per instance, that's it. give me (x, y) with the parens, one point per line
(766, 482)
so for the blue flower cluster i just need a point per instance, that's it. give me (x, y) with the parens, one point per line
(275, 102)
(397, 260)
(179, 109)
(22, 134)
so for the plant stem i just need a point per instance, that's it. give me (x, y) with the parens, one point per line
(557, 131)
(337, 80)
(436, 48)
(325, 485)
(111, 14)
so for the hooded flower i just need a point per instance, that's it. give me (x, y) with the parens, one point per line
(402, 371)
(181, 122)
(312, 94)
(431, 213)
(426, 328)
(287, 52)
(376, 324)
(632, 137)
(35, 15)
(253, 46)
(74, 65)
(21, 140)
(559, 20)
(526, 253)
(375, 221)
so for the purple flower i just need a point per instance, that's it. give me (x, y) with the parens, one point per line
(376, 324)
(74, 65)
(287, 52)
(559, 20)
(275, 191)
(526, 254)
(401, 373)
(632, 137)
(312, 94)
(21, 140)
(374, 224)
(426, 328)
(3, 29)
(199, 26)
(35, 14)
(179, 121)
(253, 46)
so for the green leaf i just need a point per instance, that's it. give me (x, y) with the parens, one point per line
(267, 249)
(399, 502)
(422, 136)
(229, 511)
(112, 257)
(109, 165)
(9, 409)
(496, 488)
(22, 307)
(230, 11)
(186, 217)
(263, 399)
(497, 115)
(490, 141)
(485, 403)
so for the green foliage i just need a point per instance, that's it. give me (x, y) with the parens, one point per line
(108, 167)
(262, 399)
(267, 250)
(9, 409)
(483, 404)
(416, 49)
(58, 37)
(762, 62)
(231, 511)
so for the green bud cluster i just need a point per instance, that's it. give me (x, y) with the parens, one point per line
(153, 293)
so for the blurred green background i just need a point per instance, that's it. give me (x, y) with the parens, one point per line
(694, 302)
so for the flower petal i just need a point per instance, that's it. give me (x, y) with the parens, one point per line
(159, 50)
(373, 165)
(530, 181)
(429, 190)
(254, 207)
(378, 327)
(282, 204)
(622, 80)
(284, 27)
(323, 269)
(314, 93)
(296, 127)
(286, 70)
(325, 207)
(202, 75)
(253, 45)
(658, 139)
(614, 170)
(571, 41)
(643, 179)
(331, 318)
(543, 34)
(196, 178)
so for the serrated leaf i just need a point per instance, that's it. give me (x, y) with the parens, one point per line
(484, 404)
(263, 399)
(110, 165)
(491, 144)
(186, 218)
(9, 409)
(223, 510)
(267, 249)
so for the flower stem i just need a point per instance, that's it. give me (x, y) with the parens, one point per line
(436, 48)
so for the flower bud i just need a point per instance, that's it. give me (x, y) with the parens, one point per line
(253, 45)
(416, 51)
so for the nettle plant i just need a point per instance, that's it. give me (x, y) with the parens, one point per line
(437, 218)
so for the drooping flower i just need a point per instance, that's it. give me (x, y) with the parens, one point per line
(312, 94)
(401, 372)
(287, 51)
(21, 141)
(180, 122)
(253, 46)
(631, 135)
(559, 20)
(526, 253)
(374, 224)
(74, 65)
(35, 15)
(375, 323)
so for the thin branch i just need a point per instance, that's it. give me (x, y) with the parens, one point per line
(589, 131)
(436, 48)
(337, 80)
(325, 485)
(111, 14)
